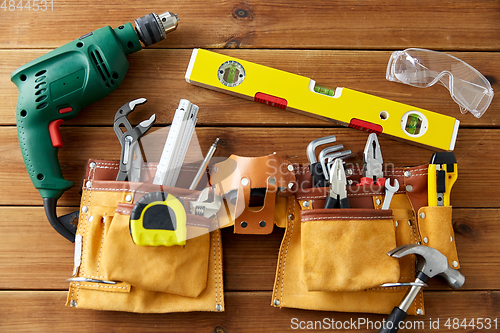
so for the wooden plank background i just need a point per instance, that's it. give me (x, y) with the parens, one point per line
(337, 43)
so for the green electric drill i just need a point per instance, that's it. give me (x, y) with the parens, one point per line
(56, 86)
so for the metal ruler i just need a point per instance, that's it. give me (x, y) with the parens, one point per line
(176, 146)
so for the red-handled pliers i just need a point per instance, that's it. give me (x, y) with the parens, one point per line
(372, 163)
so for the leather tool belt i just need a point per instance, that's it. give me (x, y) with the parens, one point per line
(329, 259)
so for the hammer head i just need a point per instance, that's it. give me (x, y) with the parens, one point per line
(431, 263)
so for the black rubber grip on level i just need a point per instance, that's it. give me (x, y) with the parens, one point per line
(318, 178)
(392, 324)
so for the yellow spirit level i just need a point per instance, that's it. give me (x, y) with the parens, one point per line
(301, 94)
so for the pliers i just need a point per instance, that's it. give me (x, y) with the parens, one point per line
(130, 169)
(337, 197)
(372, 163)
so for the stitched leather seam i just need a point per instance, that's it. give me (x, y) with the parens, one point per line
(77, 293)
(280, 259)
(189, 224)
(99, 163)
(219, 269)
(91, 178)
(365, 194)
(84, 219)
(413, 235)
(73, 291)
(212, 241)
(290, 211)
(131, 191)
(102, 242)
(301, 170)
(280, 262)
(347, 218)
(114, 166)
(99, 286)
(283, 253)
(106, 167)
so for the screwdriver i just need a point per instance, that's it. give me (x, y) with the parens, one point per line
(204, 165)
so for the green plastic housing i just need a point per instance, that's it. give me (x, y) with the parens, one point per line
(57, 86)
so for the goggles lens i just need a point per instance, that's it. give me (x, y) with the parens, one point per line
(423, 68)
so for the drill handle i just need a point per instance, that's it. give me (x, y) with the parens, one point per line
(39, 139)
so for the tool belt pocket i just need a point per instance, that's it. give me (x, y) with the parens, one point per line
(177, 269)
(436, 230)
(346, 249)
(112, 272)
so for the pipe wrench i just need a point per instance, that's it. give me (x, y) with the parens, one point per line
(130, 169)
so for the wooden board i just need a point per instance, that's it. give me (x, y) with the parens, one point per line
(272, 24)
(247, 312)
(473, 145)
(34, 256)
(164, 72)
(338, 44)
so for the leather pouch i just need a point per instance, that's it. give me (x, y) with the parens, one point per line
(436, 230)
(148, 279)
(178, 270)
(255, 189)
(312, 274)
(346, 249)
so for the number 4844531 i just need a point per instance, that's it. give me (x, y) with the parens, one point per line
(27, 5)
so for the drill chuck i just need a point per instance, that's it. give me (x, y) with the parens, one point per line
(152, 28)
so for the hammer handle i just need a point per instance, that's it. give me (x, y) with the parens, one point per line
(392, 324)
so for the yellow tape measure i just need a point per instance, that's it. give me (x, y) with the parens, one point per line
(158, 218)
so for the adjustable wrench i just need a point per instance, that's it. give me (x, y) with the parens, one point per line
(203, 207)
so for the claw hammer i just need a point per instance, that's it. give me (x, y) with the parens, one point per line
(431, 263)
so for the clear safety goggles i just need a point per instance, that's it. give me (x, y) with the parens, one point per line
(423, 68)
